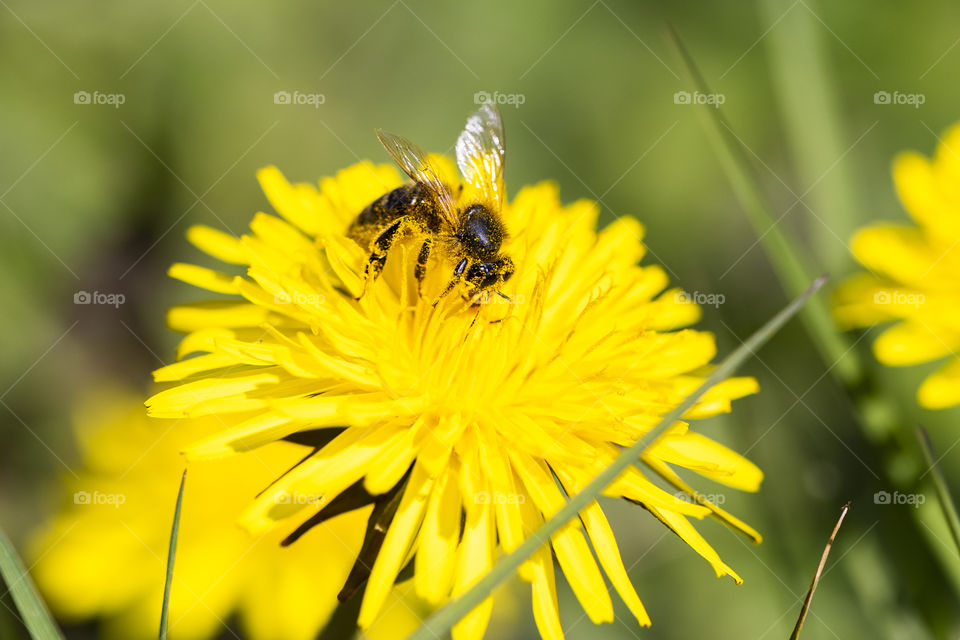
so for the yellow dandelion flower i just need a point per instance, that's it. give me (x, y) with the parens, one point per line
(914, 277)
(104, 554)
(463, 424)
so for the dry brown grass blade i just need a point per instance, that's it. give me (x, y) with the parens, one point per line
(816, 577)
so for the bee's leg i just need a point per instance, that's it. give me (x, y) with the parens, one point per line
(381, 247)
(472, 323)
(454, 281)
(421, 269)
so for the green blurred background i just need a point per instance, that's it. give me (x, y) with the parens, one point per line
(96, 197)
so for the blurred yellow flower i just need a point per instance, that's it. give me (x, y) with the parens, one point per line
(914, 277)
(104, 554)
(458, 421)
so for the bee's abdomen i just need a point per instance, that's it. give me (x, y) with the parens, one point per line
(410, 199)
(384, 209)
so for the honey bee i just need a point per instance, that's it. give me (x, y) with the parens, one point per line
(471, 235)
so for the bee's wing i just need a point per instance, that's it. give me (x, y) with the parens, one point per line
(415, 162)
(480, 154)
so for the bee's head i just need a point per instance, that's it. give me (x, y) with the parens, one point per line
(480, 233)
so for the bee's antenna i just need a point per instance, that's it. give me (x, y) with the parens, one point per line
(505, 296)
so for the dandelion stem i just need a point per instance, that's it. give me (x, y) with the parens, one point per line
(447, 616)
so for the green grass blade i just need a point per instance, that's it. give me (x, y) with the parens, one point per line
(444, 618)
(793, 273)
(33, 612)
(943, 491)
(803, 84)
(174, 533)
